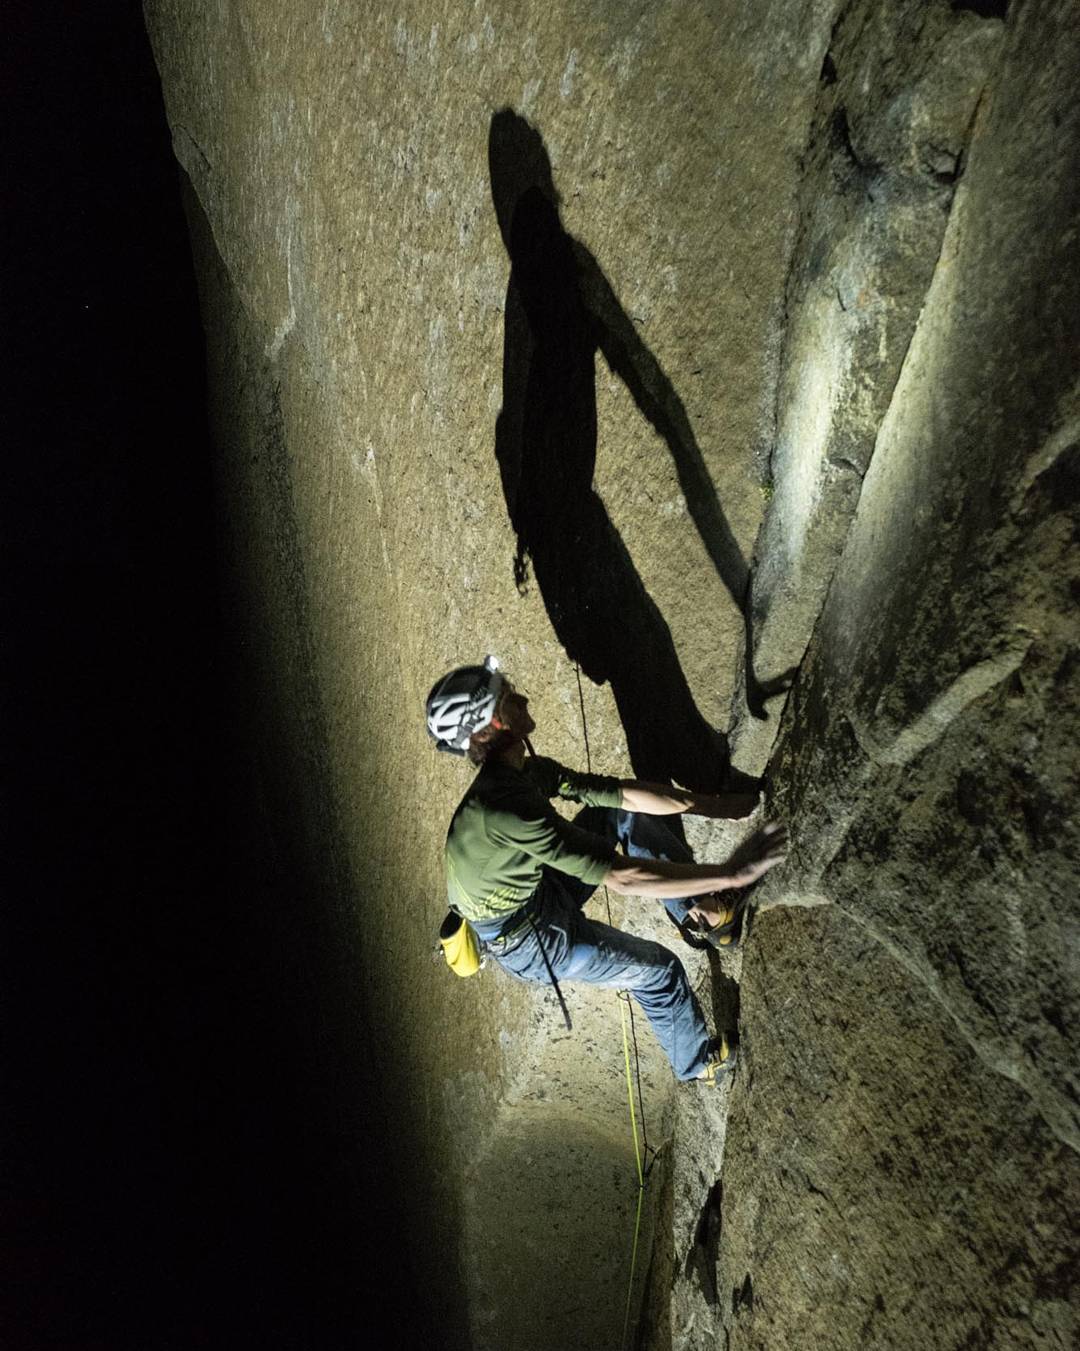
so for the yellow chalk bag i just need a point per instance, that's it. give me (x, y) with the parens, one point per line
(460, 945)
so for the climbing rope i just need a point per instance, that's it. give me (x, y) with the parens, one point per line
(629, 1032)
(624, 1002)
(644, 1149)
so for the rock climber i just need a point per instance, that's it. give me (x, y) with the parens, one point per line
(519, 873)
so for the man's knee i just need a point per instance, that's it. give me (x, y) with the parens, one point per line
(658, 968)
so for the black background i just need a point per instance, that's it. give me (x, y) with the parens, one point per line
(152, 1197)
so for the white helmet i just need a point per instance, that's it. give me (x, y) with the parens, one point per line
(461, 703)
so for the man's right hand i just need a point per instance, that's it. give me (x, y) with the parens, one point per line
(756, 855)
(656, 877)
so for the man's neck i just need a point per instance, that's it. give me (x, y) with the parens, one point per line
(514, 755)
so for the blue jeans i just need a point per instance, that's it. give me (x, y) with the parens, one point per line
(579, 948)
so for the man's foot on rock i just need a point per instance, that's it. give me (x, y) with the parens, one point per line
(722, 1057)
(726, 929)
(690, 932)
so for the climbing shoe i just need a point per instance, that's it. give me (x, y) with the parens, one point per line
(722, 1057)
(690, 931)
(727, 933)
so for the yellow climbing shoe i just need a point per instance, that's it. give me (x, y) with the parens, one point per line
(727, 931)
(722, 1057)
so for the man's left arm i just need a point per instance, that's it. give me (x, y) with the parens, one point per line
(635, 795)
(663, 799)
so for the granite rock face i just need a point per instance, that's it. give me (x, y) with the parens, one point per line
(527, 336)
(898, 93)
(901, 1154)
(881, 1187)
(924, 749)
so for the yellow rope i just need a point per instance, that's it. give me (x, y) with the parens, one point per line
(640, 1175)
(624, 1000)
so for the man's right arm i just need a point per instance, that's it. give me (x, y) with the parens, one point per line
(663, 880)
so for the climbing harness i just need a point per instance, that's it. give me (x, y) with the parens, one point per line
(464, 953)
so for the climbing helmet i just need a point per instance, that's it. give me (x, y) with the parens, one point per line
(461, 703)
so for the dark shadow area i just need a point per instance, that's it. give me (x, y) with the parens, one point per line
(552, 1237)
(985, 9)
(174, 1171)
(757, 691)
(742, 1296)
(561, 311)
(311, 1231)
(724, 990)
(701, 1259)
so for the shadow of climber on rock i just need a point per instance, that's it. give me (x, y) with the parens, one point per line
(561, 310)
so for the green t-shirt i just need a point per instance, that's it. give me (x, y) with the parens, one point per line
(505, 830)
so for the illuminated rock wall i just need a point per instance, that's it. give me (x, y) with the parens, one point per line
(819, 278)
(901, 1166)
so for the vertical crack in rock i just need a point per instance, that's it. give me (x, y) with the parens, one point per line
(898, 102)
(701, 1259)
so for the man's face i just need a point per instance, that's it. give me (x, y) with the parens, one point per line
(512, 712)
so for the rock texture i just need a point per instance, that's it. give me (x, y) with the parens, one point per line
(899, 89)
(901, 1156)
(814, 271)
(881, 1187)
